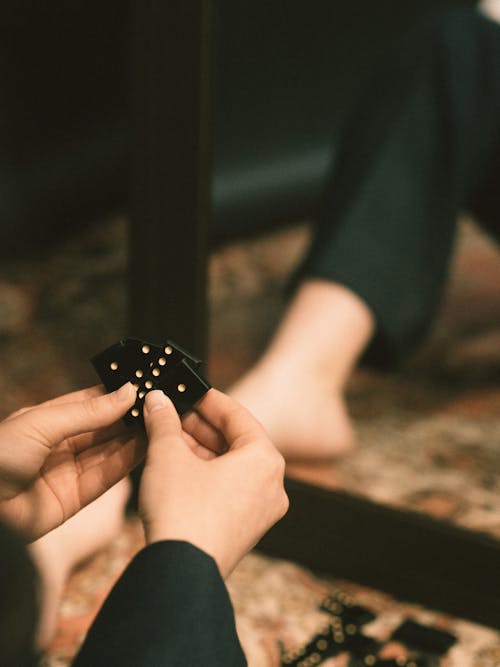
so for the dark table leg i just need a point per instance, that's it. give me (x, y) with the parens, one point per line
(171, 63)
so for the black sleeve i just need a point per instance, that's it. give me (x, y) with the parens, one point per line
(170, 607)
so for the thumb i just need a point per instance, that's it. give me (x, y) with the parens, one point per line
(161, 419)
(164, 429)
(52, 424)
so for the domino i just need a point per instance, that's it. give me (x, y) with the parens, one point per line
(148, 366)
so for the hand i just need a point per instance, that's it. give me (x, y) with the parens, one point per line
(222, 505)
(57, 457)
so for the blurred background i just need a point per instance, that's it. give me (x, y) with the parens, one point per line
(427, 431)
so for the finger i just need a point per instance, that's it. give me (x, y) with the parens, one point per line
(54, 423)
(78, 395)
(203, 432)
(197, 448)
(164, 429)
(236, 424)
(102, 467)
(160, 417)
(18, 413)
(99, 455)
(82, 441)
(72, 396)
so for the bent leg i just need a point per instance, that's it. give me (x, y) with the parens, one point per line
(57, 553)
(406, 165)
(387, 228)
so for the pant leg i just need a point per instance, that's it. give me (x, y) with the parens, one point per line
(413, 154)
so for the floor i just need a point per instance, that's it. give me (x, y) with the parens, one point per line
(425, 433)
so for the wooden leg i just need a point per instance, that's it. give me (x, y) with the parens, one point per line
(171, 69)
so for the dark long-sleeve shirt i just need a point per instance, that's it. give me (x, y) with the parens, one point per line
(169, 608)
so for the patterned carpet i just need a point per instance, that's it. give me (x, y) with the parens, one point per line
(429, 435)
(277, 602)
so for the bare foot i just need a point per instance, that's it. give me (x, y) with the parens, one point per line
(305, 418)
(297, 388)
(58, 552)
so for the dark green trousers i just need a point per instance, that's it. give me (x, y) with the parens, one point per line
(422, 145)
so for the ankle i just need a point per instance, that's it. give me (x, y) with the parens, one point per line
(323, 333)
(275, 370)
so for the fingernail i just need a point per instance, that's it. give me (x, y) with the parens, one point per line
(155, 400)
